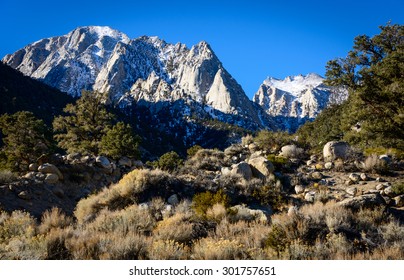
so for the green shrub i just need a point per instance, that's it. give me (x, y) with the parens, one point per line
(193, 150)
(6, 176)
(120, 141)
(278, 161)
(277, 239)
(395, 153)
(270, 195)
(273, 141)
(398, 188)
(201, 202)
(169, 162)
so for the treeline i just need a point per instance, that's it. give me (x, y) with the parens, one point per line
(86, 127)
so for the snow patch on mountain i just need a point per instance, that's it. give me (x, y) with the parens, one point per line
(300, 97)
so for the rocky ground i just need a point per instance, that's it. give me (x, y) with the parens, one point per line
(62, 181)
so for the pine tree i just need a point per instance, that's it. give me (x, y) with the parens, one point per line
(25, 139)
(374, 74)
(86, 122)
(120, 141)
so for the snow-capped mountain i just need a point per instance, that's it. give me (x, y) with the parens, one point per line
(297, 97)
(145, 69)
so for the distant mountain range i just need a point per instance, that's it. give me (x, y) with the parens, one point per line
(149, 72)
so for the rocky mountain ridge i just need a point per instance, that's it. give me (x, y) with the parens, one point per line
(147, 70)
(143, 69)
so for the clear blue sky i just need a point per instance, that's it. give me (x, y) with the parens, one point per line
(253, 39)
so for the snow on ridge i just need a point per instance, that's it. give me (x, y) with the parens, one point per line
(295, 84)
(104, 31)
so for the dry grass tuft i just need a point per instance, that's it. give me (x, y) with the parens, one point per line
(168, 250)
(54, 218)
(222, 249)
(177, 228)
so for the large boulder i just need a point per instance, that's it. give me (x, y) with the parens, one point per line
(334, 150)
(48, 168)
(261, 167)
(51, 178)
(386, 159)
(291, 151)
(363, 201)
(242, 169)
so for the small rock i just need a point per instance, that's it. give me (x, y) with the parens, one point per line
(387, 159)
(313, 157)
(85, 159)
(380, 187)
(328, 165)
(173, 200)
(144, 206)
(388, 191)
(379, 179)
(323, 182)
(354, 177)
(372, 191)
(137, 163)
(125, 162)
(225, 170)
(103, 162)
(349, 182)
(310, 162)
(167, 211)
(364, 177)
(24, 195)
(399, 201)
(48, 168)
(310, 196)
(299, 189)
(317, 175)
(30, 175)
(73, 156)
(352, 191)
(51, 179)
(33, 167)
